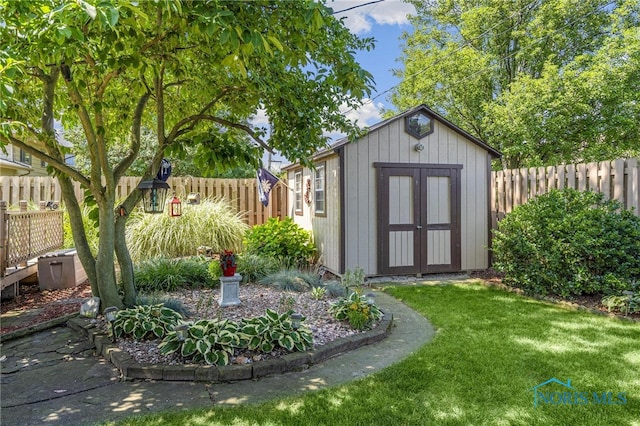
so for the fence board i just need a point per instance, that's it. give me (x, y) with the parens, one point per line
(618, 179)
(241, 193)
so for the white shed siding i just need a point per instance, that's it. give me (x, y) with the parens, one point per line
(391, 144)
(325, 229)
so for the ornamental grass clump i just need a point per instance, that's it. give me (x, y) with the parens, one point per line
(213, 223)
(165, 275)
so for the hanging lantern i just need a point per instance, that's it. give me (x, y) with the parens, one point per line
(154, 193)
(175, 207)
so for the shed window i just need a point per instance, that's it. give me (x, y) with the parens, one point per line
(418, 125)
(319, 193)
(298, 192)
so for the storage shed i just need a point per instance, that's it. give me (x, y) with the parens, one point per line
(411, 196)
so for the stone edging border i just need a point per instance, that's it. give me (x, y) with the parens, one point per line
(131, 369)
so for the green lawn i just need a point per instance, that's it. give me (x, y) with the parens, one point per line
(492, 347)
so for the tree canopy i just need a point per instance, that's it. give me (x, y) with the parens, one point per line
(192, 71)
(543, 81)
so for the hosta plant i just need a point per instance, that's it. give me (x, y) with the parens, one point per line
(211, 341)
(355, 309)
(272, 330)
(147, 321)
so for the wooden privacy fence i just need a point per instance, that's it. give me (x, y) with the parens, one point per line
(618, 179)
(241, 193)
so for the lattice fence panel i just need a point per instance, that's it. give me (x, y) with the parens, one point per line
(32, 234)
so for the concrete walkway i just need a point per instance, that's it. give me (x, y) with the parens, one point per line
(53, 377)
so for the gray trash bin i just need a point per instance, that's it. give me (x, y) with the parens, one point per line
(60, 269)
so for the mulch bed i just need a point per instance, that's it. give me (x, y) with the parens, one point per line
(57, 303)
(54, 303)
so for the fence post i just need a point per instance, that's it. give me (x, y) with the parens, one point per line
(633, 185)
(3, 237)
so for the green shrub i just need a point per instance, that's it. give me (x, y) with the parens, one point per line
(90, 229)
(355, 309)
(253, 267)
(568, 243)
(164, 275)
(291, 280)
(283, 240)
(211, 341)
(272, 330)
(147, 321)
(212, 223)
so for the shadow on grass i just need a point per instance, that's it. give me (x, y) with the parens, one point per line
(491, 349)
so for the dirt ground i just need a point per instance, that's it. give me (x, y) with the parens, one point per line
(53, 303)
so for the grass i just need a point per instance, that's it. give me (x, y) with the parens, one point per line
(491, 348)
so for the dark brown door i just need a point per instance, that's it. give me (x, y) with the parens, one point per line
(419, 218)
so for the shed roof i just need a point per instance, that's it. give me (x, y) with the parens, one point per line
(420, 108)
(423, 108)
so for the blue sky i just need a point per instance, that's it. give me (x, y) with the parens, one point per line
(385, 22)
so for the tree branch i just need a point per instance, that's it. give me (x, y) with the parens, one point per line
(52, 161)
(134, 147)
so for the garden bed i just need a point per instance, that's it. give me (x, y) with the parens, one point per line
(256, 299)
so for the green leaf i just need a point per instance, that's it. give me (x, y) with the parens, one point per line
(128, 326)
(286, 342)
(158, 331)
(211, 357)
(188, 348)
(139, 333)
(88, 8)
(197, 331)
(168, 347)
(203, 346)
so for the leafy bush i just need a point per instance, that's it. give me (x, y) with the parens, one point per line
(212, 223)
(253, 267)
(355, 309)
(283, 240)
(568, 243)
(90, 228)
(291, 280)
(211, 341)
(272, 330)
(147, 321)
(163, 275)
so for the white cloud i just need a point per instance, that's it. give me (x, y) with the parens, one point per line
(260, 118)
(367, 115)
(360, 20)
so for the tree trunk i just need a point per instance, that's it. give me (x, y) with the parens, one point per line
(105, 272)
(124, 260)
(77, 230)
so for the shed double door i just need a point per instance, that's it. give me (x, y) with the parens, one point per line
(419, 218)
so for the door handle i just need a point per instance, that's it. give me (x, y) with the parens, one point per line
(419, 227)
